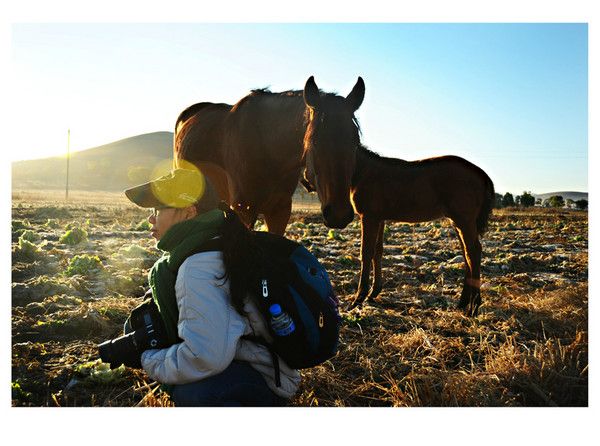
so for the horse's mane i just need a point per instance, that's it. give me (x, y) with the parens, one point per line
(266, 91)
(297, 93)
(357, 124)
(374, 156)
(259, 94)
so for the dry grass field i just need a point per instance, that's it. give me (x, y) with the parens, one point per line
(78, 268)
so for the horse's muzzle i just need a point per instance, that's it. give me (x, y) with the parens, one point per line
(337, 220)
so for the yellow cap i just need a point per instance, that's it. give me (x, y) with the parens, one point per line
(179, 189)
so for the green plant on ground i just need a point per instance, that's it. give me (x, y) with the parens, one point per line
(259, 226)
(74, 236)
(44, 286)
(298, 225)
(125, 284)
(335, 235)
(52, 324)
(52, 223)
(26, 250)
(20, 224)
(357, 320)
(387, 233)
(83, 264)
(18, 393)
(142, 225)
(135, 251)
(99, 372)
(30, 236)
(346, 260)
(404, 227)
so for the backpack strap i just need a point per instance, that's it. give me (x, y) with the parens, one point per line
(260, 340)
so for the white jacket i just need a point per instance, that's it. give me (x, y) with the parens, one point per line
(211, 328)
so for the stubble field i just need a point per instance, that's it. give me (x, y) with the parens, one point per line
(78, 268)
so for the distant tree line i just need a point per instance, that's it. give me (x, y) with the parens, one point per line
(527, 200)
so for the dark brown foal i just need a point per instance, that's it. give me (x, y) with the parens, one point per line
(418, 191)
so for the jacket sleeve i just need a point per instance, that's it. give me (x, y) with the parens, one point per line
(208, 325)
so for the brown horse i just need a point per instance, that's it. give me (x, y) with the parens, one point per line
(254, 151)
(418, 191)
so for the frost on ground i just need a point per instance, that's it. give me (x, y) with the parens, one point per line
(77, 271)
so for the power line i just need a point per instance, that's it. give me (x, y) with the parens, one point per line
(68, 158)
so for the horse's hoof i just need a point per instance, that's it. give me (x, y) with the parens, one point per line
(470, 310)
(355, 303)
(373, 294)
(371, 300)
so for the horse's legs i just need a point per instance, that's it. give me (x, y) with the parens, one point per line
(474, 248)
(378, 254)
(277, 219)
(466, 290)
(367, 247)
(470, 298)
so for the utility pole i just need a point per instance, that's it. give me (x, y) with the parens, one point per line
(68, 158)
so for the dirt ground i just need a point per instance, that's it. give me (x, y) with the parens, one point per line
(79, 268)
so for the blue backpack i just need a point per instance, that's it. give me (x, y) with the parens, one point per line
(294, 279)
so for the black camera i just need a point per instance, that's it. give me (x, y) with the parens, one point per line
(143, 330)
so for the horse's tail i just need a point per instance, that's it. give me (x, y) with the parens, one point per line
(488, 205)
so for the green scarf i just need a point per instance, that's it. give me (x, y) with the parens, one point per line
(179, 242)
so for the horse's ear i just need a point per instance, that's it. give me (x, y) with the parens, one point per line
(311, 93)
(356, 96)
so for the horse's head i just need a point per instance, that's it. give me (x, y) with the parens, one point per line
(330, 143)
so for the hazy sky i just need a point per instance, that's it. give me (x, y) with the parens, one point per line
(512, 98)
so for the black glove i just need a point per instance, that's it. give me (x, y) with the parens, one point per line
(134, 361)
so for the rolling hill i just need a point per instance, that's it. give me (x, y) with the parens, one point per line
(124, 163)
(110, 167)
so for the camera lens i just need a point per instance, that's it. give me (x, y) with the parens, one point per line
(117, 351)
